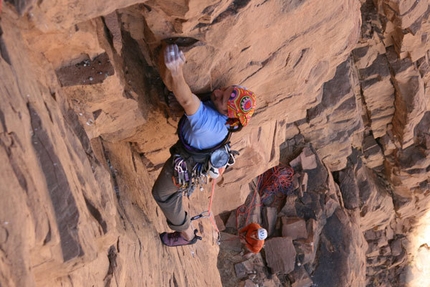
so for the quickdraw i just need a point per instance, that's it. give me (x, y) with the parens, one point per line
(185, 181)
(180, 174)
(198, 176)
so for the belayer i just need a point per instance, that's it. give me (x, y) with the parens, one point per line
(202, 149)
(253, 236)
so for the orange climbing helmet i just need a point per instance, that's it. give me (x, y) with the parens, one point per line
(241, 106)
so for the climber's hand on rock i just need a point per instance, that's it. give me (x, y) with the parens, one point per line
(174, 59)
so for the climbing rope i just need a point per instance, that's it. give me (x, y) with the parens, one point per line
(211, 216)
(208, 213)
(272, 186)
(246, 210)
(275, 184)
(278, 178)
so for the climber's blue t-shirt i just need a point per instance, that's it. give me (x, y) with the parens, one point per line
(205, 128)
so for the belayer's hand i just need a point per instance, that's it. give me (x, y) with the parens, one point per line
(174, 59)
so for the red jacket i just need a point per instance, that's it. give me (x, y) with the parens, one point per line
(254, 245)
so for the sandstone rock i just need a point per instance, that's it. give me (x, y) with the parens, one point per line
(396, 247)
(247, 283)
(412, 174)
(367, 183)
(305, 251)
(243, 269)
(377, 242)
(410, 102)
(112, 22)
(280, 254)
(294, 228)
(337, 243)
(79, 160)
(422, 131)
(338, 93)
(289, 207)
(372, 153)
(300, 277)
(71, 215)
(231, 222)
(231, 242)
(269, 218)
(220, 223)
(348, 186)
(306, 248)
(376, 80)
(87, 72)
(53, 15)
(272, 282)
(407, 17)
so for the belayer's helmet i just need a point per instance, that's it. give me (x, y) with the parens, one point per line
(261, 233)
(241, 106)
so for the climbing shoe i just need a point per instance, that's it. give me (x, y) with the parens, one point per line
(174, 239)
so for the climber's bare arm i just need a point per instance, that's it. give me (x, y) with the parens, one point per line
(175, 60)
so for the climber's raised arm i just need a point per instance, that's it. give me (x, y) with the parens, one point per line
(175, 60)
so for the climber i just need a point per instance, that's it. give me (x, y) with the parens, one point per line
(253, 236)
(202, 149)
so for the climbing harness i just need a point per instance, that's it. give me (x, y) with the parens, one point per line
(191, 166)
(214, 162)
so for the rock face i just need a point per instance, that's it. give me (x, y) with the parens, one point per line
(342, 89)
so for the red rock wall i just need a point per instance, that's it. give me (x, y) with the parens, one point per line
(83, 140)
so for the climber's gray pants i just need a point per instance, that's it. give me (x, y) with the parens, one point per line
(170, 201)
